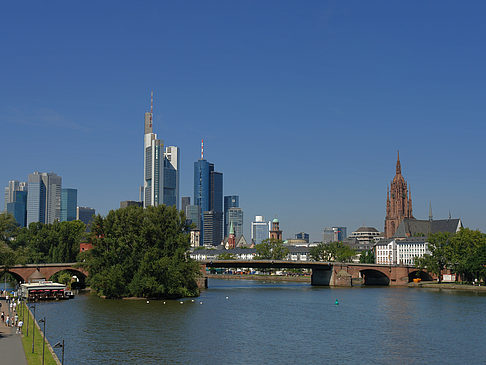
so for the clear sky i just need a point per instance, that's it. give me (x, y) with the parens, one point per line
(302, 105)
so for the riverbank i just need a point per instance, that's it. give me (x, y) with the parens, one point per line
(302, 279)
(449, 286)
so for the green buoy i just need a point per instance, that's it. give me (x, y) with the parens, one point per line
(337, 302)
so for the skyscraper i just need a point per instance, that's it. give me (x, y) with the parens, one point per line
(13, 186)
(334, 234)
(171, 176)
(208, 195)
(18, 208)
(44, 198)
(153, 162)
(259, 230)
(235, 219)
(85, 214)
(69, 202)
(230, 201)
(185, 201)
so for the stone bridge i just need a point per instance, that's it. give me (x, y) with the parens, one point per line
(23, 273)
(333, 273)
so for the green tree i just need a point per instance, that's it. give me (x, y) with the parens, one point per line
(440, 254)
(467, 254)
(332, 251)
(367, 257)
(271, 249)
(8, 228)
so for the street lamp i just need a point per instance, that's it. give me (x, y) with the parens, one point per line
(43, 320)
(61, 345)
(33, 329)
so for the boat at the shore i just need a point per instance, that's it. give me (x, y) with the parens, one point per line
(45, 290)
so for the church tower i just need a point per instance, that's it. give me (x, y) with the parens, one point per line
(398, 202)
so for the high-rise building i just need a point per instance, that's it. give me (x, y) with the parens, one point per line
(235, 219)
(130, 203)
(44, 198)
(208, 195)
(193, 215)
(334, 234)
(13, 186)
(171, 176)
(185, 201)
(69, 202)
(18, 208)
(302, 236)
(153, 163)
(85, 214)
(230, 201)
(398, 202)
(259, 230)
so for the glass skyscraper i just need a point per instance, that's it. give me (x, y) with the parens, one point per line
(259, 230)
(18, 208)
(230, 201)
(44, 198)
(69, 202)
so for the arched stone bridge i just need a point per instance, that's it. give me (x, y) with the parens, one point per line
(23, 272)
(333, 273)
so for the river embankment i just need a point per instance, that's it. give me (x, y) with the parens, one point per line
(448, 286)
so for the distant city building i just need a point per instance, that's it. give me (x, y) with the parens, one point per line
(69, 202)
(302, 236)
(334, 234)
(230, 201)
(193, 215)
(130, 203)
(275, 232)
(208, 195)
(296, 242)
(235, 218)
(259, 230)
(185, 201)
(172, 158)
(398, 202)
(13, 186)
(364, 238)
(85, 215)
(401, 252)
(195, 238)
(18, 208)
(44, 198)
(212, 228)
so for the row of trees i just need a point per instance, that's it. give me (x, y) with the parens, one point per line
(39, 243)
(463, 252)
(332, 251)
(143, 253)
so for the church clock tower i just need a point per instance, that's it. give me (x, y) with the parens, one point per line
(398, 202)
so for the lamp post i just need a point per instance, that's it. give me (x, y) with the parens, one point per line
(61, 345)
(43, 320)
(33, 329)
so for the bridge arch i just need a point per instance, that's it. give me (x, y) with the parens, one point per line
(16, 276)
(424, 276)
(374, 277)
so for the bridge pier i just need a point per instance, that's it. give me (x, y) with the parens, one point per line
(321, 277)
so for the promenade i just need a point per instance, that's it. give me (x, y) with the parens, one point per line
(11, 350)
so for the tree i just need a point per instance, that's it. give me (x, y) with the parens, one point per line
(8, 228)
(271, 249)
(440, 253)
(367, 257)
(467, 254)
(332, 251)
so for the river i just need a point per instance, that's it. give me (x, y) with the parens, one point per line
(250, 322)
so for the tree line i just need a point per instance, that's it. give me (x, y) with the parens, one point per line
(463, 252)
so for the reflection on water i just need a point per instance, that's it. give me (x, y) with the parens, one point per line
(262, 323)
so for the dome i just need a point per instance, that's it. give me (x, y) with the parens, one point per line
(275, 221)
(366, 229)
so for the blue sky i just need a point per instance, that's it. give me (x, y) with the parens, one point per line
(302, 105)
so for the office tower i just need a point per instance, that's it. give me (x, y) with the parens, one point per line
(13, 186)
(212, 228)
(235, 219)
(18, 208)
(208, 195)
(153, 163)
(130, 203)
(334, 234)
(193, 215)
(185, 201)
(44, 198)
(259, 230)
(171, 176)
(302, 236)
(85, 214)
(69, 202)
(230, 201)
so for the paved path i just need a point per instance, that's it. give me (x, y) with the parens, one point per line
(11, 350)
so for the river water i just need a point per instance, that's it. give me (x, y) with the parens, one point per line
(250, 322)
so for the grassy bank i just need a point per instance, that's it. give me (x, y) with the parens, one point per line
(36, 357)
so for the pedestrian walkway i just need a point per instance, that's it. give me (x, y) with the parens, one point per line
(11, 350)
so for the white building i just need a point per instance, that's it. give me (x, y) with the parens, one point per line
(400, 251)
(366, 237)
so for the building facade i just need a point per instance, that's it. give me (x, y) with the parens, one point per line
(185, 201)
(398, 202)
(18, 208)
(230, 201)
(302, 236)
(85, 214)
(275, 232)
(365, 238)
(44, 198)
(401, 251)
(235, 219)
(69, 202)
(13, 186)
(334, 234)
(259, 230)
(171, 176)
(130, 203)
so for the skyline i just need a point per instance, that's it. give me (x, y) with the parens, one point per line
(302, 108)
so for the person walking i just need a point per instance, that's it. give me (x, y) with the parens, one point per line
(7, 321)
(3, 317)
(19, 327)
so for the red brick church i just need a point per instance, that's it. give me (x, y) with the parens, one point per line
(398, 202)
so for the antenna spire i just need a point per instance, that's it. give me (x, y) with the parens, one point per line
(430, 211)
(202, 149)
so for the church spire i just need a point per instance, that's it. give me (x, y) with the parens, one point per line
(399, 167)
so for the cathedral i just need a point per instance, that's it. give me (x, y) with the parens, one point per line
(398, 202)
